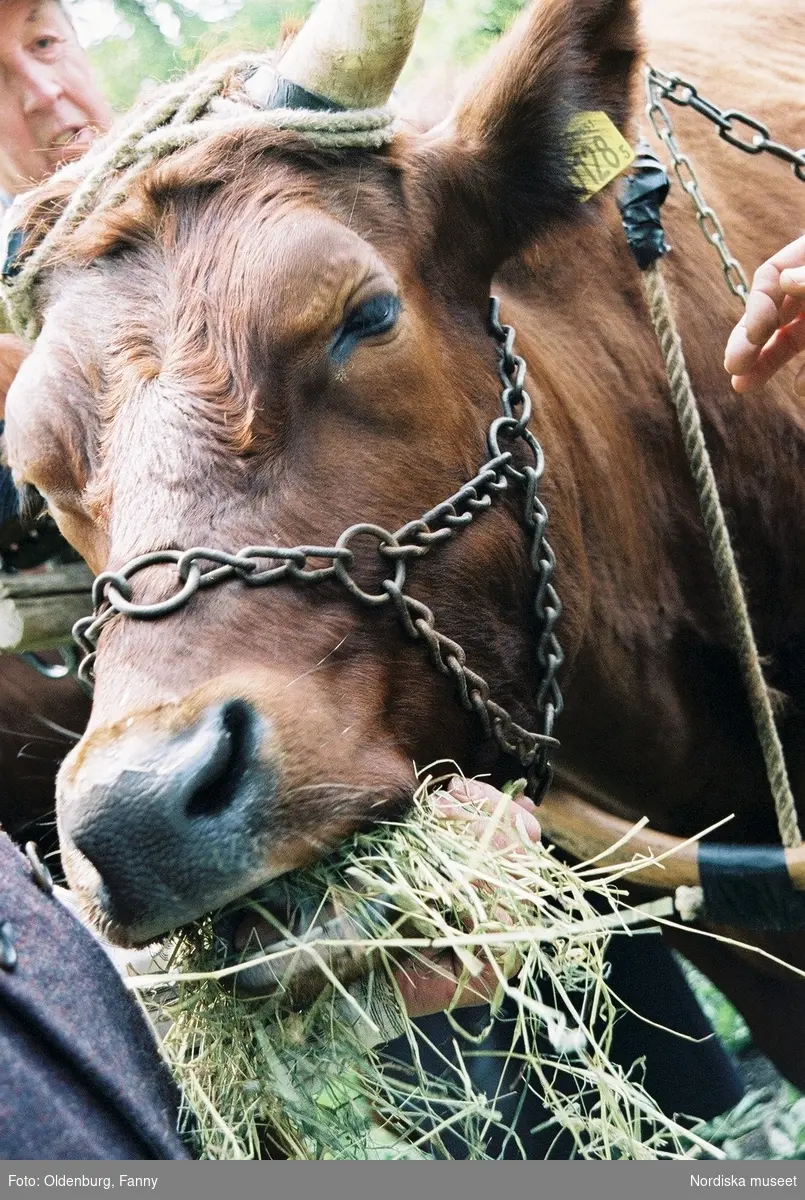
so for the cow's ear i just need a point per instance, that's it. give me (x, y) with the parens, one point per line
(498, 172)
(13, 352)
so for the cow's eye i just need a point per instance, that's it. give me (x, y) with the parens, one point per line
(369, 319)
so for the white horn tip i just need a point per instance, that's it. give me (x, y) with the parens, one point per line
(353, 53)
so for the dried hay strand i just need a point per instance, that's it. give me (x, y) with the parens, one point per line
(279, 1075)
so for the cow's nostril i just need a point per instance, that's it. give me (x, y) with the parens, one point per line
(218, 784)
(178, 824)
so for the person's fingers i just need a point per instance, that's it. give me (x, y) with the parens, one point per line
(740, 355)
(791, 257)
(474, 789)
(792, 280)
(430, 986)
(763, 305)
(785, 345)
(490, 797)
(522, 801)
(774, 282)
(434, 981)
(519, 813)
(792, 307)
(768, 290)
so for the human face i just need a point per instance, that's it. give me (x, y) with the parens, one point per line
(50, 106)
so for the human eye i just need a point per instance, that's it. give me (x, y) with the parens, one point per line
(47, 46)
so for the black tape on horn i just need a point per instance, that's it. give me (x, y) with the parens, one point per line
(749, 886)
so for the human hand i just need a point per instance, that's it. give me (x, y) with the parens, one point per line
(429, 984)
(772, 330)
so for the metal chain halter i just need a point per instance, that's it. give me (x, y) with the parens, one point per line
(684, 94)
(261, 566)
(729, 122)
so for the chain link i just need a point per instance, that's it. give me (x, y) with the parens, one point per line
(517, 408)
(710, 225)
(735, 127)
(260, 566)
(684, 94)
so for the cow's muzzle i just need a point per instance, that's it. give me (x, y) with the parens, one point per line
(162, 827)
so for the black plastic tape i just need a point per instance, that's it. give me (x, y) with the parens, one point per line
(288, 94)
(749, 886)
(12, 262)
(642, 197)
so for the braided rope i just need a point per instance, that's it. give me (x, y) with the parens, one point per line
(211, 102)
(715, 524)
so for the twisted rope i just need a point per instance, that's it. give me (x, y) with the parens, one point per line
(729, 579)
(211, 102)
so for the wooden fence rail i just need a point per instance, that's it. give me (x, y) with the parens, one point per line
(38, 610)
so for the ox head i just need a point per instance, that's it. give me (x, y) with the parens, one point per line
(263, 345)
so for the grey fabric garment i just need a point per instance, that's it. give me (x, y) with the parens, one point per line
(80, 1073)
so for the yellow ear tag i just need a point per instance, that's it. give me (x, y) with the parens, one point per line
(599, 152)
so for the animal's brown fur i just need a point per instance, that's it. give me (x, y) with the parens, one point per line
(201, 407)
(40, 721)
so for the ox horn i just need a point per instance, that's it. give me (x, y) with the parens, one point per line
(754, 887)
(587, 832)
(349, 54)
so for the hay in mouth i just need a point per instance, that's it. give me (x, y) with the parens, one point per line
(275, 1052)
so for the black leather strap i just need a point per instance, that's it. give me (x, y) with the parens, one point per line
(749, 886)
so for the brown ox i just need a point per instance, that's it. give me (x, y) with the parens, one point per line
(216, 378)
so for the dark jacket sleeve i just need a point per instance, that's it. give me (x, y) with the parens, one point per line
(81, 1076)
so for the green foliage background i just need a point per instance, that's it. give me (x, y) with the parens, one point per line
(453, 34)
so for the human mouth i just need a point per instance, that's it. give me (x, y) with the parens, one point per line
(73, 141)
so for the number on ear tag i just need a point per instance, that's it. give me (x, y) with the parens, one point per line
(599, 152)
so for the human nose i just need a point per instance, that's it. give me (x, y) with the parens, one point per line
(40, 87)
